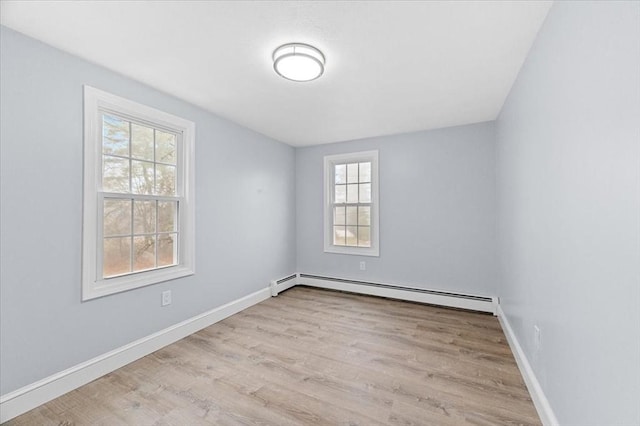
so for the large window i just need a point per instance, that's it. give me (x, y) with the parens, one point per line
(351, 204)
(138, 195)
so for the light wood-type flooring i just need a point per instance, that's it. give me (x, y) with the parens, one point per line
(313, 356)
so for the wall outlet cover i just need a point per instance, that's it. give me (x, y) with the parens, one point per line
(166, 297)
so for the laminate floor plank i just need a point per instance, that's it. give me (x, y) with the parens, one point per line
(314, 356)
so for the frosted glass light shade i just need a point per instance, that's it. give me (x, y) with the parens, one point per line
(298, 62)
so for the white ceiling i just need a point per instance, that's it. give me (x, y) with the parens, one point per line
(392, 67)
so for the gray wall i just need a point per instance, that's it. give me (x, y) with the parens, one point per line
(437, 210)
(569, 210)
(244, 217)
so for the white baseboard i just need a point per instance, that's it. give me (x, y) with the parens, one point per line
(412, 294)
(31, 396)
(540, 401)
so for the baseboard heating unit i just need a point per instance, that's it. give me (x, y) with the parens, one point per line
(283, 284)
(392, 291)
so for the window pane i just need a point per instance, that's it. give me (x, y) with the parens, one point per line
(141, 177)
(352, 215)
(365, 192)
(364, 215)
(339, 235)
(364, 236)
(141, 142)
(115, 135)
(117, 217)
(352, 193)
(144, 217)
(115, 174)
(341, 173)
(167, 220)
(165, 180)
(352, 173)
(365, 172)
(341, 194)
(352, 235)
(116, 256)
(167, 249)
(338, 216)
(144, 252)
(165, 147)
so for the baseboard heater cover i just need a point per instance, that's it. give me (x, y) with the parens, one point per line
(278, 286)
(414, 294)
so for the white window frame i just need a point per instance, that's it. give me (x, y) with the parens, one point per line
(329, 193)
(97, 102)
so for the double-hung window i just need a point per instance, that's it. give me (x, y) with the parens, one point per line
(351, 204)
(138, 195)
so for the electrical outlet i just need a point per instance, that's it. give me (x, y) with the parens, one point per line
(166, 298)
(537, 337)
(363, 265)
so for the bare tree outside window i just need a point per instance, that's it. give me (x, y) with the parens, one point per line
(139, 233)
(352, 205)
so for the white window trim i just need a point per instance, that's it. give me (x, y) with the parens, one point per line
(92, 286)
(329, 162)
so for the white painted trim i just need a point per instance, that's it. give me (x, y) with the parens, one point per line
(406, 293)
(93, 285)
(329, 183)
(31, 396)
(540, 401)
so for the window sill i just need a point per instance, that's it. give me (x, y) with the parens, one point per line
(129, 282)
(354, 251)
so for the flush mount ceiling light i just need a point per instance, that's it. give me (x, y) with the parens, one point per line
(298, 62)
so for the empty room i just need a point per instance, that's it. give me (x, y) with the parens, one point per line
(320, 213)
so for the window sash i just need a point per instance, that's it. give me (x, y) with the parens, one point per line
(130, 195)
(102, 196)
(357, 225)
(131, 119)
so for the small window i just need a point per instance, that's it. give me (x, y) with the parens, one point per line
(138, 195)
(351, 204)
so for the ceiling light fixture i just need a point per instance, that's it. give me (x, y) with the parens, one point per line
(298, 62)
